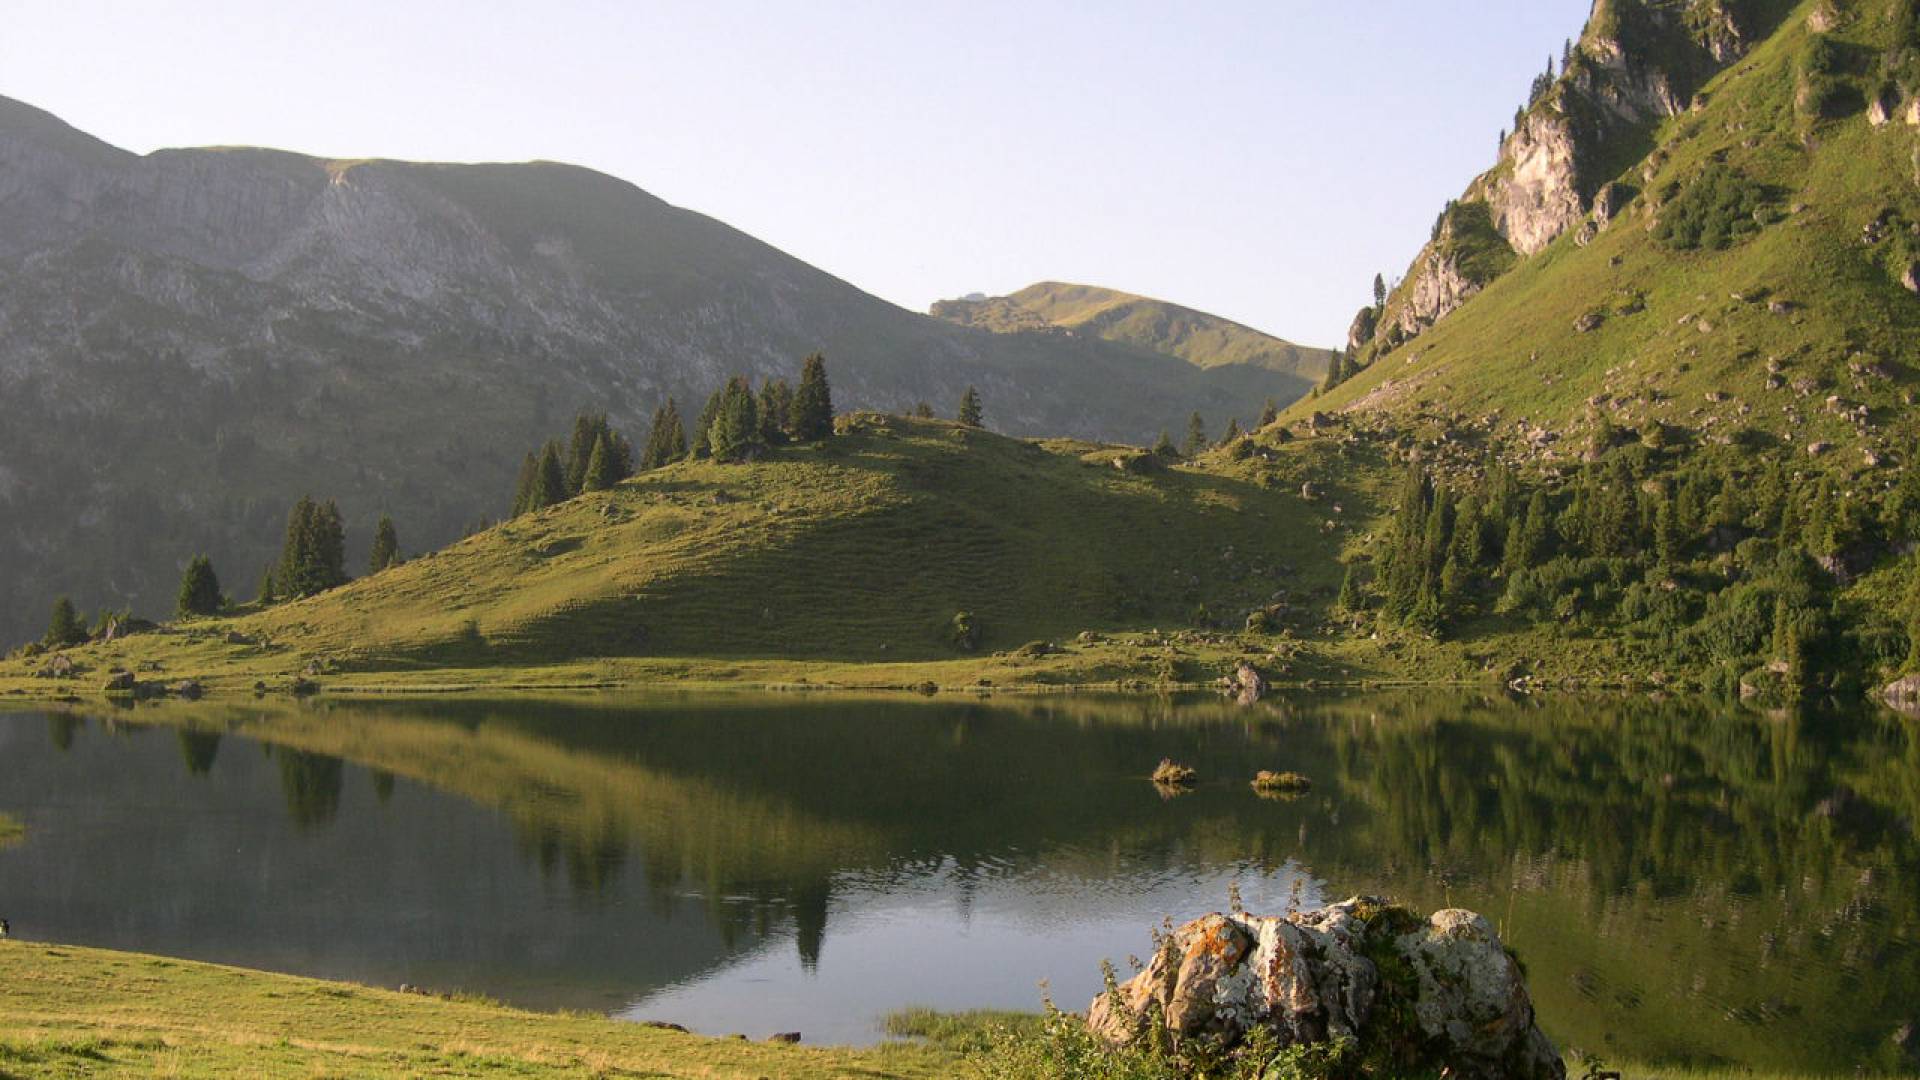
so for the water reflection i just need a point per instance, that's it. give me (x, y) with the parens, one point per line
(1686, 883)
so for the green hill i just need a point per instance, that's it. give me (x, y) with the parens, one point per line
(1203, 340)
(860, 549)
(195, 337)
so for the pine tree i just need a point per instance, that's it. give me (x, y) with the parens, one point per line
(703, 427)
(735, 435)
(810, 418)
(386, 546)
(298, 575)
(776, 409)
(269, 591)
(523, 489)
(199, 589)
(550, 480)
(970, 413)
(1232, 432)
(923, 411)
(603, 472)
(1349, 600)
(1269, 414)
(330, 543)
(1379, 291)
(64, 627)
(587, 430)
(667, 442)
(1163, 447)
(1196, 437)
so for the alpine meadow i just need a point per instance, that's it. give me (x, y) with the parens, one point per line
(482, 619)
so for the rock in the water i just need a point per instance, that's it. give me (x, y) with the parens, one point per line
(1451, 998)
(1903, 694)
(189, 689)
(1246, 684)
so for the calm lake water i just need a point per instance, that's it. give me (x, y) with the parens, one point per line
(1685, 882)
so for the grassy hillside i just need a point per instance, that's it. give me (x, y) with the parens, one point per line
(861, 549)
(88, 1012)
(1641, 325)
(1203, 340)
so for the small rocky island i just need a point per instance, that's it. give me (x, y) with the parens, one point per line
(1436, 993)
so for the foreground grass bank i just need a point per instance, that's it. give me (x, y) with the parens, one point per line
(68, 1012)
(88, 1012)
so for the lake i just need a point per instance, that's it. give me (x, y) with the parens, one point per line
(1686, 882)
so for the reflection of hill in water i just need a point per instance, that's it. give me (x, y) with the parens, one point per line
(1680, 880)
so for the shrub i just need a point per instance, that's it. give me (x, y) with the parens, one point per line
(1718, 209)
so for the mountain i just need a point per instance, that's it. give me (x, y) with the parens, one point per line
(1203, 340)
(1706, 222)
(860, 548)
(191, 339)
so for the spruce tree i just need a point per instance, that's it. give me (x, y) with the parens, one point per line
(299, 560)
(1232, 433)
(1196, 437)
(1349, 600)
(587, 429)
(776, 410)
(386, 546)
(330, 545)
(1379, 291)
(673, 441)
(550, 482)
(735, 435)
(64, 626)
(602, 467)
(703, 428)
(269, 591)
(523, 489)
(1163, 447)
(970, 413)
(199, 589)
(923, 411)
(810, 417)
(1269, 414)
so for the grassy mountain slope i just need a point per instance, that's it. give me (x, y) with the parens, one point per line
(193, 338)
(861, 548)
(1203, 340)
(1752, 339)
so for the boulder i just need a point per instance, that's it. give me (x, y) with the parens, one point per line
(1246, 685)
(58, 666)
(1441, 993)
(1903, 694)
(120, 682)
(189, 689)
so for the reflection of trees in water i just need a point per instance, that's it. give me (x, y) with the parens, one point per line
(311, 784)
(61, 728)
(198, 749)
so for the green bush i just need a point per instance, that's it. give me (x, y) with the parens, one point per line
(1717, 210)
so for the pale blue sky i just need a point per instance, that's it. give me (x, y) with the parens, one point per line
(1258, 160)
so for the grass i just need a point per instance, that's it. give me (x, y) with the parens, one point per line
(12, 830)
(1203, 340)
(87, 1012)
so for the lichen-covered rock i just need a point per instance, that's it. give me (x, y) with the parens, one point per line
(1450, 996)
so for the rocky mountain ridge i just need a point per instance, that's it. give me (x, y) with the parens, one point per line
(190, 339)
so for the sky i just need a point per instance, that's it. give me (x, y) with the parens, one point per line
(1259, 160)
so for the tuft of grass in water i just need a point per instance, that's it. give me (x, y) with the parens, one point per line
(12, 830)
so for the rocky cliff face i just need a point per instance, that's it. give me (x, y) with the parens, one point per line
(1638, 62)
(191, 339)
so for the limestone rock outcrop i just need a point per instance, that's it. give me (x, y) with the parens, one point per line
(1442, 992)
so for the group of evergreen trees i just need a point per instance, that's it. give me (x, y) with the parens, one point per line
(1725, 563)
(313, 557)
(1340, 367)
(595, 458)
(736, 425)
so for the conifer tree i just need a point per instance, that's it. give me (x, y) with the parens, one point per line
(810, 417)
(1349, 600)
(923, 411)
(523, 489)
(603, 466)
(330, 544)
(1379, 291)
(970, 413)
(735, 435)
(386, 546)
(776, 410)
(64, 626)
(550, 481)
(587, 430)
(703, 427)
(298, 575)
(1163, 447)
(1269, 414)
(1196, 437)
(199, 589)
(269, 591)
(667, 443)
(1232, 432)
